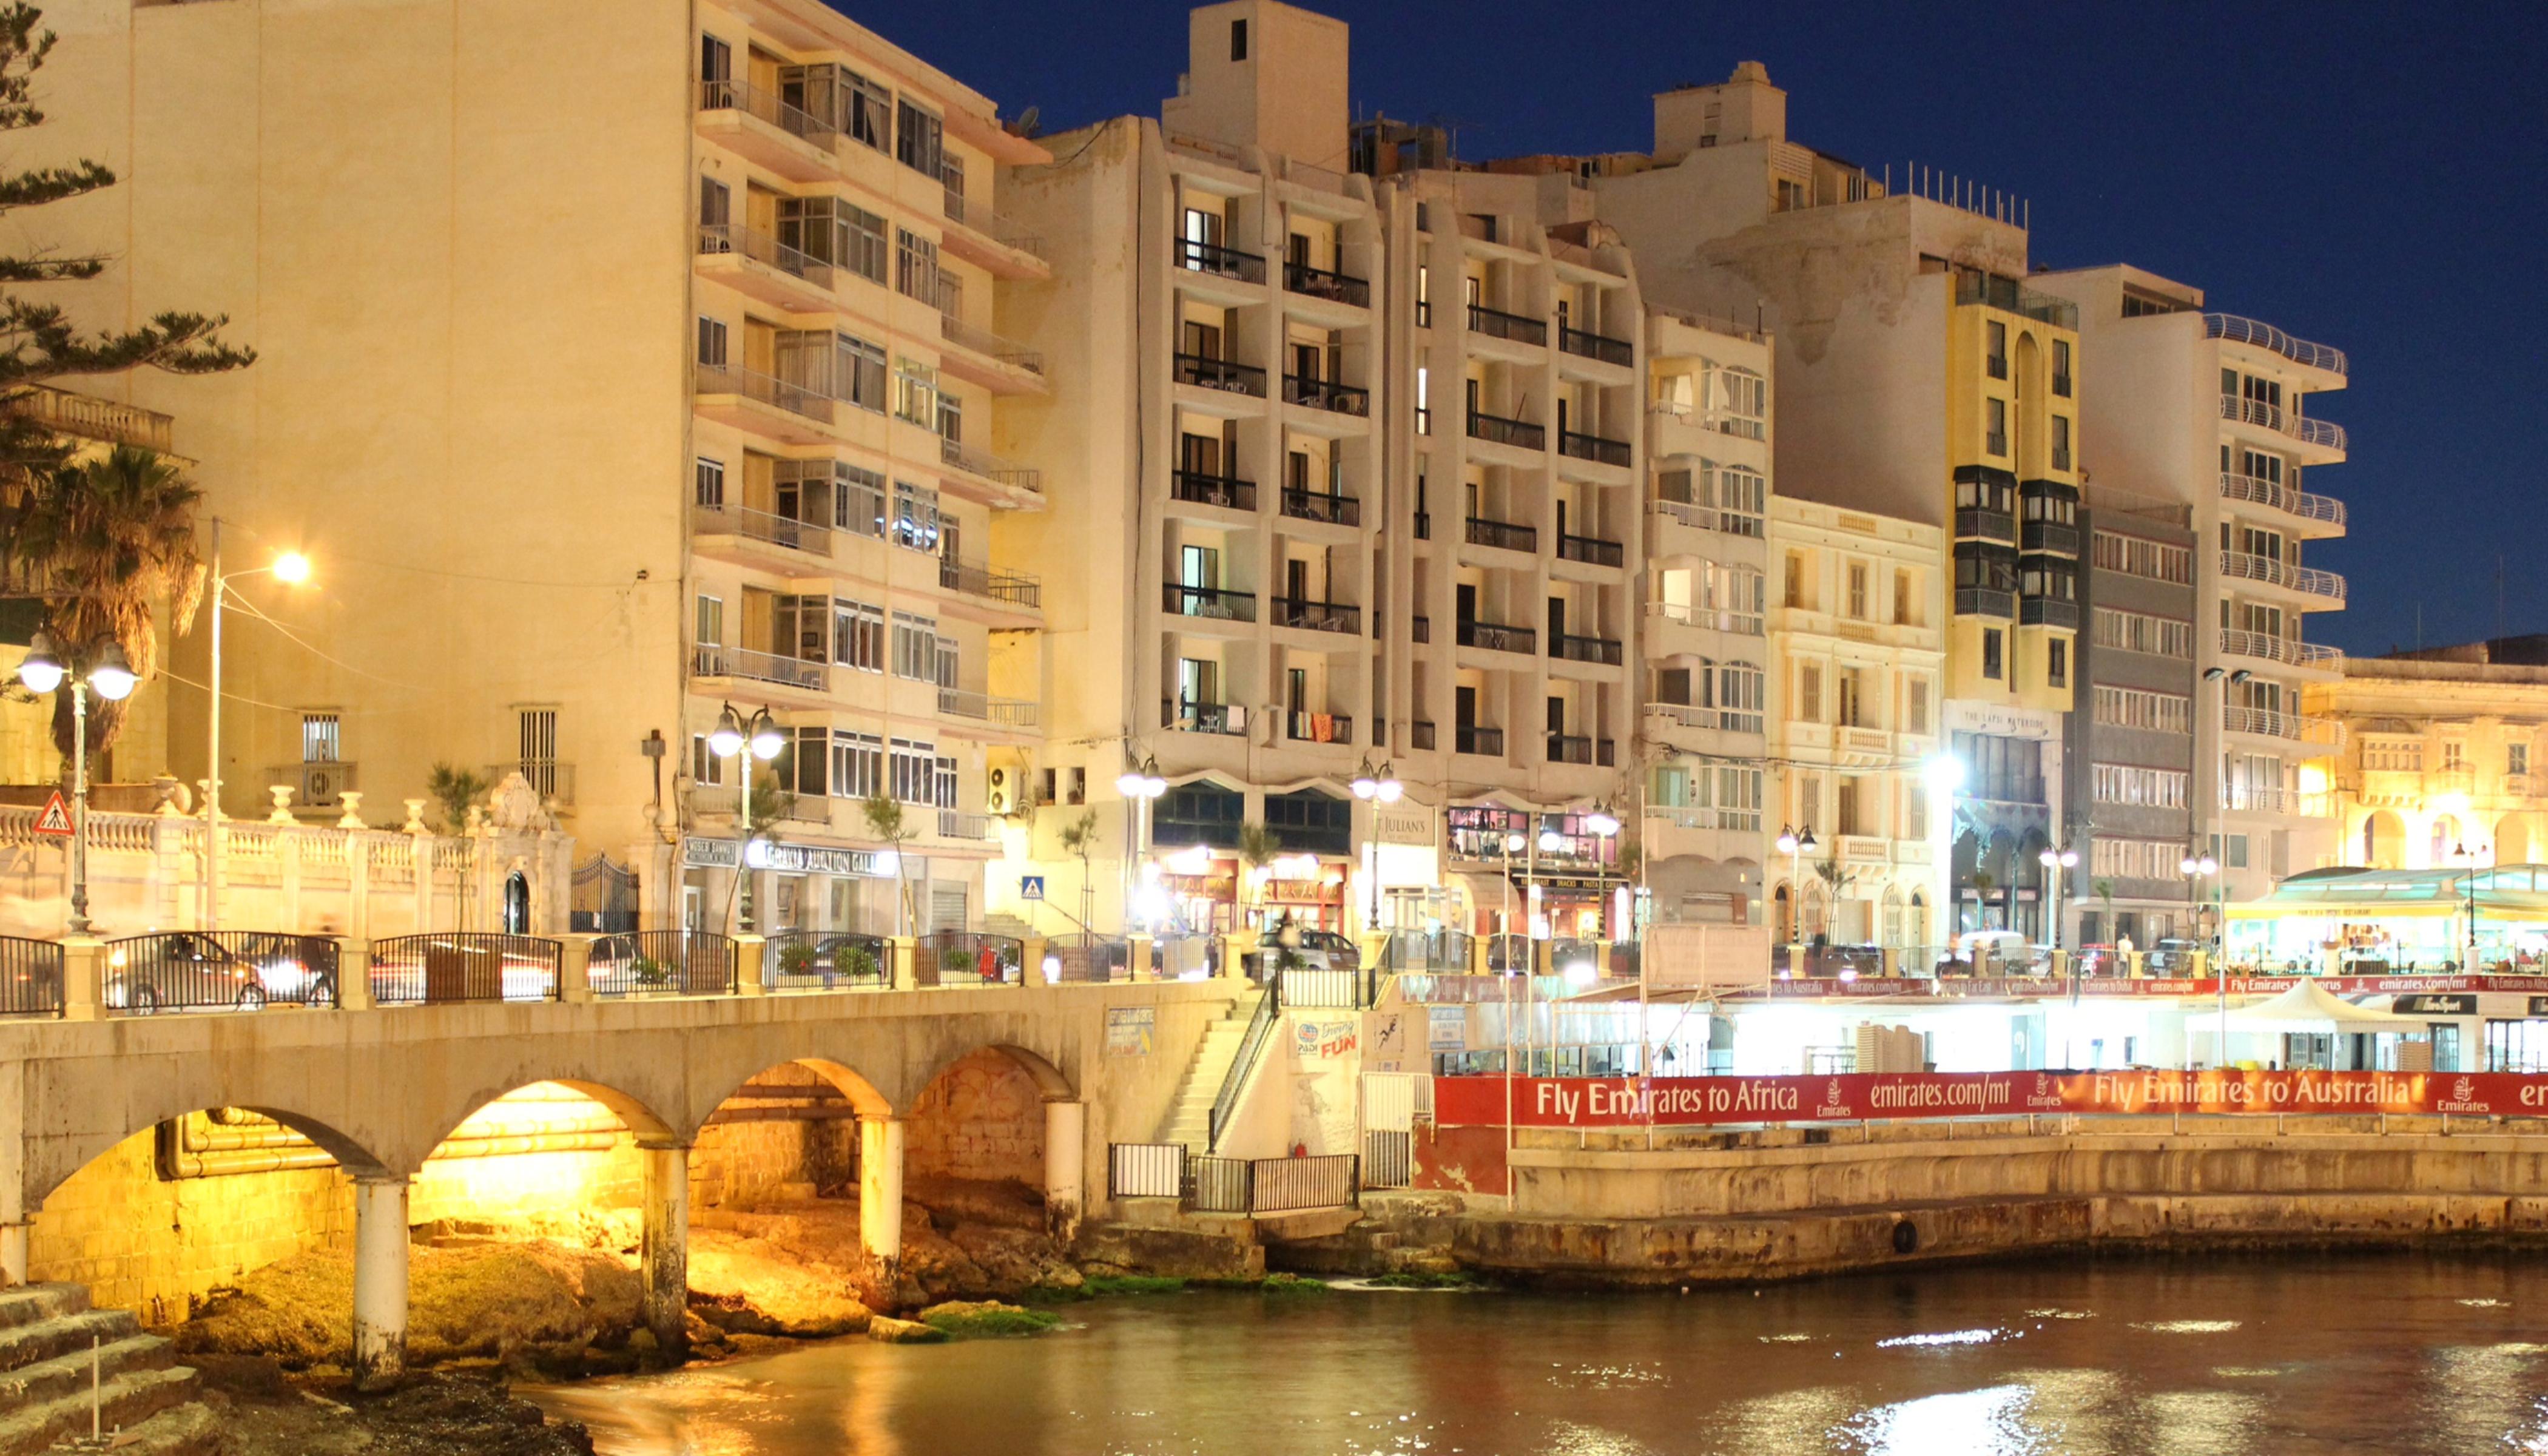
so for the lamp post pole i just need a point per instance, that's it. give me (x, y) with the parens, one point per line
(2195, 869)
(211, 908)
(105, 671)
(79, 796)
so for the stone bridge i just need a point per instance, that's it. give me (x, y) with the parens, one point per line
(379, 1089)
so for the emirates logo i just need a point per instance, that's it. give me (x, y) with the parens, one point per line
(2043, 1084)
(2463, 1089)
(1831, 1094)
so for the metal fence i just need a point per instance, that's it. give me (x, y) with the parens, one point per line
(1508, 953)
(825, 961)
(1146, 1170)
(1177, 958)
(962, 957)
(200, 971)
(1387, 1158)
(1216, 1185)
(432, 969)
(1251, 1045)
(1336, 988)
(1435, 951)
(1280, 1185)
(1087, 957)
(31, 977)
(663, 962)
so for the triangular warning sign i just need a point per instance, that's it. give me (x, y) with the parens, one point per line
(55, 818)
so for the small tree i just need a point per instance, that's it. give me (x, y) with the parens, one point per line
(2104, 889)
(455, 788)
(1257, 849)
(888, 827)
(1079, 838)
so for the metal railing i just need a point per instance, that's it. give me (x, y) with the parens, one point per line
(1210, 601)
(952, 957)
(1596, 346)
(31, 976)
(1387, 1158)
(1088, 957)
(825, 961)
(1710, 619)
(1221, 374)
(1569, 748)
(1692, 715)
(1321, 283)
(1251, 1045)
(765, 388)
(2266, 336)
(762, 525)
(1146, 1170)
(1577, 445)
(2248, 566)
(1984, 602)
(1486, 743)
(2271, 416)
(2273, 723)
(980, 220)
(1007, 712)
(1320, 505)
(959, 824)
(1302, 726)
(1205, 717)
(460, 966)
(1502, 535)
(1326, 395)
(988, 344)
(1592, 550)
(1218, 261)
(1713, 518)
(998, 584)
(1979, 523)
(1495, 429)
(764, 106)
(708, 660)
(92, 418)
(1420, 733)
(1704, 816)
(1445, 951)
(2289, 500)
(2049, 535)
(1576, 648)
(1316, 617)
(2265, 645)
(989, 467)
(1228, 491)
(2007, 295)
(663, 962)
(210, 970)
(1276, 1185)
(722, 239)
(1497, 324)
(1496, 637)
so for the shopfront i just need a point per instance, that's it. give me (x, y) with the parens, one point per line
(796, 887)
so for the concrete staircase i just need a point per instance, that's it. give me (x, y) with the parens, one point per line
(45, 1333)
(1190, 1116)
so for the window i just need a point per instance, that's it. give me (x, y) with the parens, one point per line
(1991, 667)
(915, 394)
(715, 208)
(2060, 442)
(806, 766)
(801, 627)
(2454, 755)
(915, 266)
(536, 734)
(1996, 353)
(2056, 663)
(2230, 851)
(707, 479)
(2517, 758)
(710, 626)
(915, 517)
(1997, 434)
(831, 230)
(717, 59)
(1851, 693)
(2133, 556)
(2133, 631)
(706, 766)
(1423, 399)
(1902, 616)
(1915, 707)
(2134, 707)
(916, 140)
(1796, 578)
(2157, 789)
(857, 372)
(1809, 692)
(857, 500)
(1858, 591)
(2062, 367)
(319, 742)
(2393, 755)
(1423, 298)
(2136, 859)
(1915, 810)
(712, 336)
(915, 648)
(911, 771)
(857, 635)
(868, 110)
(1238, 40)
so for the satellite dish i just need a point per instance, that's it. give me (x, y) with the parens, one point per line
(1029, 122)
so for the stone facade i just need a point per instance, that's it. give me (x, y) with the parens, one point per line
(983, 1118)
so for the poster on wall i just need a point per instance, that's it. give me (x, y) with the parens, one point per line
(1447, 1029)
(1385, 1036)
(1324, 1041)
(1130, 1030)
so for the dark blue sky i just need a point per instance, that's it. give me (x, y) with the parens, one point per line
(2374, 178)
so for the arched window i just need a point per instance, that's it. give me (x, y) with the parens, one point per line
(1892, 917)
(1919, 919)
(1782, 910)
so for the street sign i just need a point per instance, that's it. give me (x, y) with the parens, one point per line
(1029, 887)
(56, 819)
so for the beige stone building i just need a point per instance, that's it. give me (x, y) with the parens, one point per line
(611, 374)
(2435, 770)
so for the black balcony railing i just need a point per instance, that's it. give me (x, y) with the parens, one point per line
(2061, 384)
(1420, 734)
(1605, 752)
(1985, 526)
(1327, 395)
(1996, 366)
(1321, 283)
(1188, 716)
(1423, 526)
(1303, 726)
(1224, 491)
(1316, 617)
(1494, 429)
(1996, 444)
(1569, 748)
(1488, 743)
(666, 963)
(2050, 536)
(1421, 628)
(2061, 457)
(1502, 535)
(1221, 374)
(2046, 611)
(1585, 648)
(1497, 324)
(1495, 637)
(1319, 505)
(31, 976)
(1984, 602)
(1592, 550)
(1220, 263)
(1596, 346)
(1581, 446)
(1211, 601)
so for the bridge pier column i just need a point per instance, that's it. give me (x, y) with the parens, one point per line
(83, 977)
(880, 1190)
(380, 1281)
(1065, 1135)
(575, 969)
(664, 1250)
(12, 1255)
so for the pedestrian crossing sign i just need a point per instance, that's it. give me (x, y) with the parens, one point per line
(55, 818)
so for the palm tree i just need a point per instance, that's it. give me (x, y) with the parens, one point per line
(1079, 838)
(101, 542)
(1258, 848)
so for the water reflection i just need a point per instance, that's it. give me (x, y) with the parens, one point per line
(2187, 1358)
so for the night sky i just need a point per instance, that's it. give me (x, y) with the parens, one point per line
(2374, 178)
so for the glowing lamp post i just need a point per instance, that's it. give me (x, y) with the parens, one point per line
(1795, 847)
(111, 676)
(292, 568)
(732, 738)
(1142, 787)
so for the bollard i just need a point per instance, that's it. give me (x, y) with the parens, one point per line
(83, 977)
(905, 971)
(575, 969)
(1137, 959)
(752, 965)
(354, 974)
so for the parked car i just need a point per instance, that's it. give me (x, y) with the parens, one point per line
(188, 970)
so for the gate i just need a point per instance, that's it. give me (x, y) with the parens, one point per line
(604, 897)
(1146, 1170)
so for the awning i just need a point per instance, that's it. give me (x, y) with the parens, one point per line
(2310, 1005)
(2502, 893)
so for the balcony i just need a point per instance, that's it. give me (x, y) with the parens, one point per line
(1494, 429)
(1319, 505)
(1420, 629)
(1978, 525)
(1704, 816)
(2049, 535)
(2297, 426)
(758, 125)
(1502, 535)
(2275, 495)
(763, 267)
(1985, 602)
(1710, 519)
(956, 823)
(65, 413)
(1211, 602)
(1996, 366)
(726, 800)
(757, 395)
(1221, 375)
(1995, 445)
(1306, 727)
(993, 240)
(1569, 748)
(708, 660)
(1715, 422)
(1575, 649)
(1007, 365)
(982, 465)
(1228, 720)
(2309, 581)
(1512, 327)
(1577, 445)
(1420, 734)
(981, 707)
(2271, 723)
(1228, 491)
(1493, 637)
(552, 780)
(323, 785)
(1591, 550)
(2266, 336)
(1327, 395)
(1316, 617)
(2273, 649)
(2046, 611)
(1707, 619)
(2007, 296)
(1670, 715)
(1218, 261)
(1020, 590)
(764, 526)
(1608, 350)
(1319, 283)
(1484, 743)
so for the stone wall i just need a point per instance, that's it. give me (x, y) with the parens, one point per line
(983, 1118)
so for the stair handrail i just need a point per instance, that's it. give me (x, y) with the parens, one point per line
(1260, 1030)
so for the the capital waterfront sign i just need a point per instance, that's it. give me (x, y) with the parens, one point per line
(1666, 1102)
(791, 859)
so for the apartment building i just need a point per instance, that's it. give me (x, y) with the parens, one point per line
(1920, 379)
(1705, 641)
(2208, 411)
(2433, 769)
(613, 375)
(1302, 416)
(1857, 648)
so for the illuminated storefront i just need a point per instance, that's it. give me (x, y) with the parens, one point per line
(2375, 921)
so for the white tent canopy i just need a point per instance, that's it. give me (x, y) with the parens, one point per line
(2309, 1006)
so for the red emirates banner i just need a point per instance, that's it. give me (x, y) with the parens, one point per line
(1672, 1102)
(2047, 988)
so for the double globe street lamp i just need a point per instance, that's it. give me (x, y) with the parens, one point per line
(733, 738)
(110, 673)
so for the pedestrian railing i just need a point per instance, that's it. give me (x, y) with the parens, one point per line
(1251, 1045)
(1387, 1158)
(1273, 1185)
(663, 962)
(1179, 958)
(1421, 950)
(458, 966)
(1329, 988)
(1087, 957)
(967, 957)
(31, 977)
(1146, 1170)
(826, 961)
(205, 971)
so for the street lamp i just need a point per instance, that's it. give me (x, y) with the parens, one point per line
(1795, 847)
(2195, 867)
(1381, 786)
(110, 674)
(2055, 861)
(2468, 882)
(293, 570)
(733, 738)
(1140, 785)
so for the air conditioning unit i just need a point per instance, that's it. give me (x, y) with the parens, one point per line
(322, 785)
(1004, 793)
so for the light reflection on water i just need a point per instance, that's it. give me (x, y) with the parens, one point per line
(2399, 1356)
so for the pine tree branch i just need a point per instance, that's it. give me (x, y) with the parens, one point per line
(49, 270)
(39, 185)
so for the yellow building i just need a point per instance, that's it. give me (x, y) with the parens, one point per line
(611, 370)
(2436, 764)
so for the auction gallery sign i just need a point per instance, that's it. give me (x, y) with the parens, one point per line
(1670, 1102)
